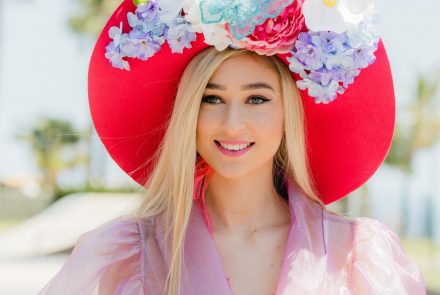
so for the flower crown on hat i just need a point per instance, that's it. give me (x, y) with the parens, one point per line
(329, 41)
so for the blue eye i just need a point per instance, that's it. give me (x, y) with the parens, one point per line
(258, 99)
(211, 99)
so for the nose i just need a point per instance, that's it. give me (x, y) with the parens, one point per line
(233, 119)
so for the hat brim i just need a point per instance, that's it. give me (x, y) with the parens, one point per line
(347, 139)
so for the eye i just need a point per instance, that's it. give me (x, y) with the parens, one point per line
(258, 99)
(211, 99)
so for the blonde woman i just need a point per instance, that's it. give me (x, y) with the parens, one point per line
(242, 121)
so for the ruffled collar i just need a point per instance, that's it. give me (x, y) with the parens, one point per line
(305, 248)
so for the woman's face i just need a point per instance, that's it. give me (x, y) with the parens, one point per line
(240, 123)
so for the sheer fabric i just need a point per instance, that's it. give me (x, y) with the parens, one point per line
(325, 254)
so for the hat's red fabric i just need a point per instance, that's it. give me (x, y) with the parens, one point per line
(347, 139)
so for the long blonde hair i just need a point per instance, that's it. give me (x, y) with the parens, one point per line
(170, 186)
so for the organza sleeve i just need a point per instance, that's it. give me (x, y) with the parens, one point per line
(105, 261)
(380, 264)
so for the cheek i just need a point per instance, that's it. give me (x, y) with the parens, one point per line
(270, 124)
(270, 132)
(205, 128)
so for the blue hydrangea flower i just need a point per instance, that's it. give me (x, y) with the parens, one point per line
(349, 76)
(342, 59)
(338, 53)
(158, 33)
(332, 42)
(148, 11)
(364, 56)
(321, 94)
(114, 50)
(145, 17)
(141, 45)
(328, 62)
(324, 77)
(179, 35)
(151, 27)
(117, 36)
(309, 51)
(296, 66)
(113, 53)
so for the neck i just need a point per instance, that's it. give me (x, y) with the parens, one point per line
(247, 204)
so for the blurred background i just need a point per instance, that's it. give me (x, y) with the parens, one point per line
(56, 180)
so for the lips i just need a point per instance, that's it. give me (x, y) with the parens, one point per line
(233, 142)
(241, 147)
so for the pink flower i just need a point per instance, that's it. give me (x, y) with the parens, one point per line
(275, 35)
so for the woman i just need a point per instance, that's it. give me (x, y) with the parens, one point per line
(237, 162)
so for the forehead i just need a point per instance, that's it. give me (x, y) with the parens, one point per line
(245, 69)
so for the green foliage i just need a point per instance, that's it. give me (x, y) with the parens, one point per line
(401, 154)
(49, 139)
(420, 128)
(92, 15)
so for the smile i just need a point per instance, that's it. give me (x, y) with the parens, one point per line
(234, 150)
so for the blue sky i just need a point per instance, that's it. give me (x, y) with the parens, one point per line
(43, 66)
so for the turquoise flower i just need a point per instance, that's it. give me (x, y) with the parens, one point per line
(241, 15)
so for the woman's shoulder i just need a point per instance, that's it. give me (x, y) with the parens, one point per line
(107, 258)
(379, 263)
(362, 230)
(117, 229)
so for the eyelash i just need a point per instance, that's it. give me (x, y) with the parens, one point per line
(262, 98)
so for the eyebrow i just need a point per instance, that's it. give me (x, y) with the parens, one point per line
(252, 86)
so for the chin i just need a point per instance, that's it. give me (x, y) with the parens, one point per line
(231, 171)
(231, 175)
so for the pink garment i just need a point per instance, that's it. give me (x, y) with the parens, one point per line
(325, 254)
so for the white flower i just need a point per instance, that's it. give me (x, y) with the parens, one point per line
(336, 15)
(215, 34)
(169, 9)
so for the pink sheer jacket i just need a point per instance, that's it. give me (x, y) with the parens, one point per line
(325, 254)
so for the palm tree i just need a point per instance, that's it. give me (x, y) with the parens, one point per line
(88, 20)
(48, 139)
(92, 16)
(420, 129)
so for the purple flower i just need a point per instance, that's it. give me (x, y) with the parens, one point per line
(179, 35)
(322, 94)
(364, 56)
(148, 11)
(114, 51)
(158, 33)
(148, 34)
(342, 58)
(309, 51)
(141, 45)
(329, 62)
(348, 77)
(296, 66)
(332, 42)
(145, 17)
(115, 56)
(324, 77)
(116, 34)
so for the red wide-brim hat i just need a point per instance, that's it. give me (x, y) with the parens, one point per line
(347, 139)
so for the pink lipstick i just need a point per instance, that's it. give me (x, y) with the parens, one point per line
(234, 153)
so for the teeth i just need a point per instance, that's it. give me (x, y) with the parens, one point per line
(235, 147)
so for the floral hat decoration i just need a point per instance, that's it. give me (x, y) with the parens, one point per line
(332, 48)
